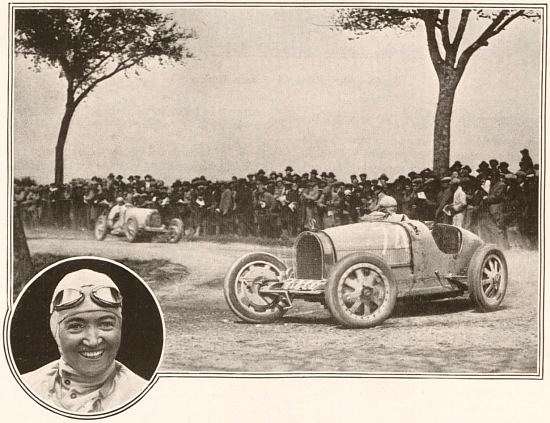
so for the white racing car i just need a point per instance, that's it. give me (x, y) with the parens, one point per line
(140, 223)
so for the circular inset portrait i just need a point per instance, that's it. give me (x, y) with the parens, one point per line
(86, 336)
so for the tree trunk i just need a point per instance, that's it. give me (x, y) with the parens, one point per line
(22, 263)
(59, 148)
(442, 126)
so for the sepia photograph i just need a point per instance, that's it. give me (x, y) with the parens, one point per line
(82, 342)
(307, 189)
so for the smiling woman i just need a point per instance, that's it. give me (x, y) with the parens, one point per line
(87, 322)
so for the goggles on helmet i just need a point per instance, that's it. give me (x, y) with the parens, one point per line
(104, 296)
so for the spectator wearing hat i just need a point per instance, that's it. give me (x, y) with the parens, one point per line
(310, 196)
(347, 207)
(483, 168)
(444, 198)
(292, 212)
(503, 168)
(213, 222)
(383, 181)
(148, 183)
(198, 209)
(244, 206)
(327, 205)
(419, 207)
(493, 163)
(90, 204)
(526, 163)
(513, 206)
(531, 209)
(466, 173)
(406, 199)
(492, 225)
(458, 207)
(455, 167)
(288, 173)
(265, 205)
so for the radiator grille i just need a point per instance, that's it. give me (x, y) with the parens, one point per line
(154, 220)
(309, 258)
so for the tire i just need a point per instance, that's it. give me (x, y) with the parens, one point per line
(243, 297)
(100, 228)
(175, 230)
(131, 230)
(487, 278)
(361, 291)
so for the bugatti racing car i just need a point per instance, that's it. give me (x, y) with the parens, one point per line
(359, 271)
(139, 223)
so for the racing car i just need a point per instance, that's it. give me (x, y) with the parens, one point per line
(140, 223)
(359, 270)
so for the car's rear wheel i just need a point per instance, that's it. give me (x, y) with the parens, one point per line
(100, 228)
(131, 230)
(361, 291)
(487, 278)
(175, 230)
(242, 287)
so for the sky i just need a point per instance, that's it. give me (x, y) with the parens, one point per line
(271, 87)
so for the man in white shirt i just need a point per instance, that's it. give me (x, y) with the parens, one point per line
(459, 205)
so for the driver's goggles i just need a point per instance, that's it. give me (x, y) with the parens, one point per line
(105, 296)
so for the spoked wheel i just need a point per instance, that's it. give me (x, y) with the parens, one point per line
(242, 287)
(361, 291)
(100, 228)
(131, 230)
(487, 278)
(175, 230)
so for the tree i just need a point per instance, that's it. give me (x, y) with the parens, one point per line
(92, 45)
(448, 57)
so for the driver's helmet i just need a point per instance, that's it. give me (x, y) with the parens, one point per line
(387, 202)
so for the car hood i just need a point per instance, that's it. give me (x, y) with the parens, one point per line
(366, 236)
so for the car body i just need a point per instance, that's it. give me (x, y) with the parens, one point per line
(139, 223)
(359, 270)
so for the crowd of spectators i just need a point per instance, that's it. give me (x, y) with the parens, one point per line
(498, 204)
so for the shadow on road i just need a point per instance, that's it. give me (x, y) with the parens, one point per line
(412, 308)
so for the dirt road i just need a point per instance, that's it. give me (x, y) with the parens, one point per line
(438, 337)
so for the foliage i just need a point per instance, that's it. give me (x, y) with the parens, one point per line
(443, 47)
(92, 45)
(445, 30)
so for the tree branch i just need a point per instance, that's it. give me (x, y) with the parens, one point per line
(120, 67)
(93, 69)
(464, 15)
(445, 30)
(480, 42)
(433, 46)
(504, 24)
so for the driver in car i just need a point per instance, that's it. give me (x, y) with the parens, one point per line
(115, 219)
(387, 211)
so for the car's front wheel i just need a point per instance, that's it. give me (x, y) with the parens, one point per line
(242, 286)
(361, 291)
(131, 230)
(100, 228)
(487, 278)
